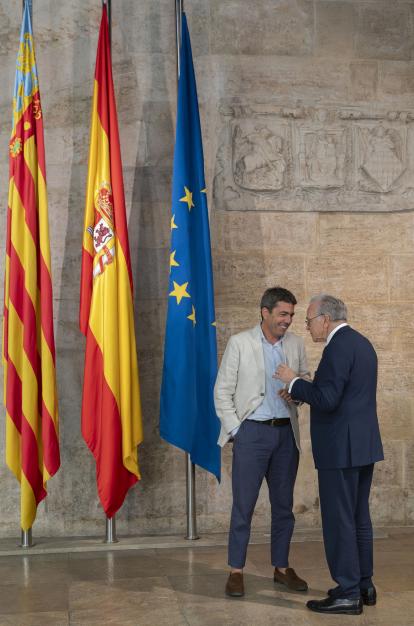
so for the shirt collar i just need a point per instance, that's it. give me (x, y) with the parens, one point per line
(331, 334)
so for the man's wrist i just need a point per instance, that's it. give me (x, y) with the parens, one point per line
(292, 382)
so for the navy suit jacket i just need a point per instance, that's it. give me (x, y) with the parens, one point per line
(342, 397)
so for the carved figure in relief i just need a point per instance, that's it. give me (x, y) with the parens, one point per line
(382, 155)
(259, 162)
(321, 159)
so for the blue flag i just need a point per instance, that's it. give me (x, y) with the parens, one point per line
(187, 416)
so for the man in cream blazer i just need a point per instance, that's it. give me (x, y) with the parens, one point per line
(264, 430)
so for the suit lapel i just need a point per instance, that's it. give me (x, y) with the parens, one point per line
(287, 349)
(258, 348)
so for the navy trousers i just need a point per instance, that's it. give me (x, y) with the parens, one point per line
(347, 527)
(263, 451)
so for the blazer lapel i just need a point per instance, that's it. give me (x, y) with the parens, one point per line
(287, 349)
(258, 348)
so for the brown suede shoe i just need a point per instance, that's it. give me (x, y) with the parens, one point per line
(291, 580)
(234, 585)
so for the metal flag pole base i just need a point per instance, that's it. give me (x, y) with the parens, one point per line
(110, 530)
(26, 540)
(191, 500)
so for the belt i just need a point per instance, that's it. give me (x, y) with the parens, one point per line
(282, 421)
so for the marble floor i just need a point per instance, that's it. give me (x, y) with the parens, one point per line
(185, 586)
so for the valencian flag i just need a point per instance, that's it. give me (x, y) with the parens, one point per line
(111, 405)
(32, 445)
(187, 416)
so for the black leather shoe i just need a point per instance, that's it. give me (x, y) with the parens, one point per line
(343, 606)
(369, 596)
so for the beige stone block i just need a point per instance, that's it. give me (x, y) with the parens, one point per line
(65, 23)
(409, 466)
(395, 371)
(388, 326)
(236, 231)
(198, 18)
(148, 228)
(263, 27)
(146, 78)
(364, 80)
(384, 31)
(387, 505)
(156, 28)
(69, 373)
(10, 20)
(410, 509)
(402, 277)
(274, 232)
(334, 28)
(366, 233)
(68, 106)
(66, 144)
(133, 138)
(389, 473)
(150, 361)
(289, 80)
(232, 319)
(150, 322)
(246, 276)
(75, 68)
(355, 278)
(396, 80)
(396, 415)
(148, 185)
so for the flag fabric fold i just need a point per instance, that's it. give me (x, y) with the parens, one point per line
(187, 416)
(32, 440)
(111, 405)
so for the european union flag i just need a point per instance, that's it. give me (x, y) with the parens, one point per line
(187, 416)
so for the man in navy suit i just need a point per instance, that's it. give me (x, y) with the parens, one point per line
(346, 443)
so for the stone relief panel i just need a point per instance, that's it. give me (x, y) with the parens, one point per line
(321, 157)
(260, 157)
(380, 157)
(309, 159)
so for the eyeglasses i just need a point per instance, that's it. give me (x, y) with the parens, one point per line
(308, 320)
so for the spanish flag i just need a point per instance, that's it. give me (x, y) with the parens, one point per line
(111, 406)
(32, 445)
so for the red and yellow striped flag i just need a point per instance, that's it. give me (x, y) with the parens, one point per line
(32, 446)
(111, 406)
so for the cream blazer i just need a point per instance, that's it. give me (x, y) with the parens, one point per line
(240, 384)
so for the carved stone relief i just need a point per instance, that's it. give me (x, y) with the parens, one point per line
(321, 157)
(380, 156)
(259, 156)
(308, 159)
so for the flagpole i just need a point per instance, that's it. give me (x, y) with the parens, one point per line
(26, 539)
(26, 535)
(110, 530)
(109, 11)
(179, 8)
(189, 466)
(110, 522)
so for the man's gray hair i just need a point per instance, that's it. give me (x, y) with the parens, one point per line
(329, 305)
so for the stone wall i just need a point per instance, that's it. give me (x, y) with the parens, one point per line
(307, 111)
